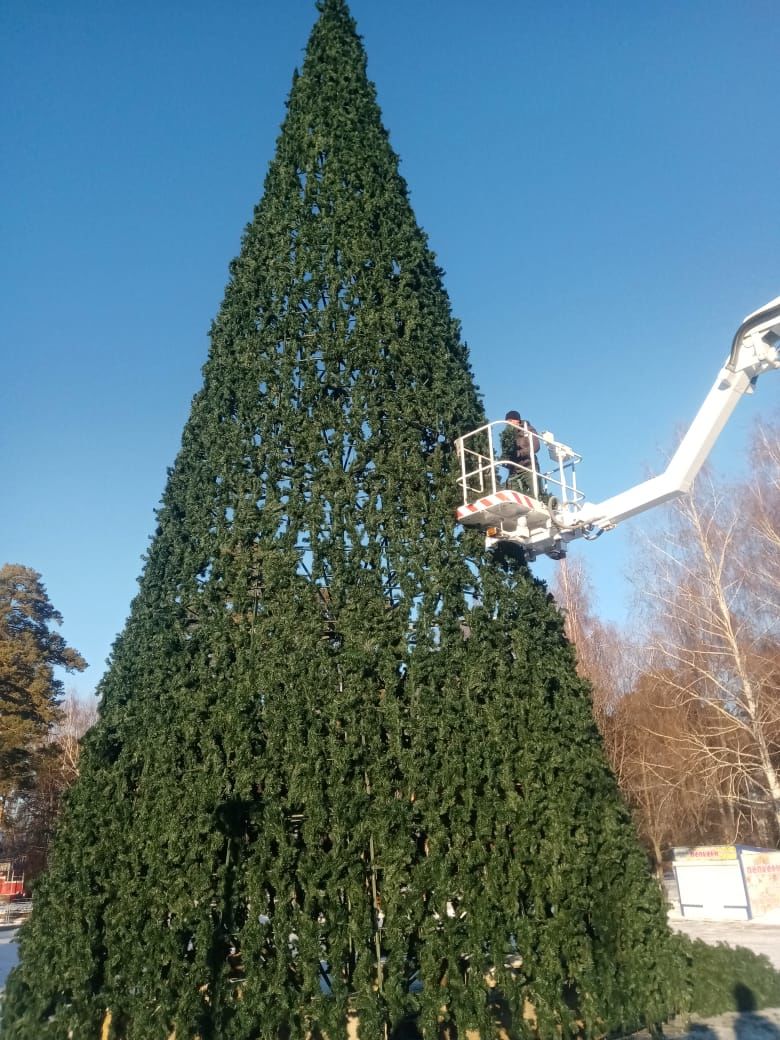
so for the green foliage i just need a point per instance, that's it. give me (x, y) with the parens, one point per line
(30, 650)
(723, 978)
(344, 763)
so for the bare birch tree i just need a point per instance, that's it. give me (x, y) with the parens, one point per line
(691, 713)
(77, 715)
(711, 586)
(674, 801)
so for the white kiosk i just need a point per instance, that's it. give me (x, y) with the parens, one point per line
(727, 882)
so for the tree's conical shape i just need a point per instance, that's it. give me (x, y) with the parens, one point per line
(344, 766)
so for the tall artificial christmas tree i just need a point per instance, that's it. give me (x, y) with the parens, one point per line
(345, 778)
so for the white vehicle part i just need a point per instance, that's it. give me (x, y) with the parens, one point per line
(754, 351)
(556, 513)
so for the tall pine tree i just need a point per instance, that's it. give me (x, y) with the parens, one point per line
(345, 769)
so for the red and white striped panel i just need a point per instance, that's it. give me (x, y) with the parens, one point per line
(504, 505)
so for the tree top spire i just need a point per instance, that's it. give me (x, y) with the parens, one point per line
(335, 11)
(337, 7)
(334, 15)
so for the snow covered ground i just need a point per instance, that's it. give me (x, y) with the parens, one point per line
(735, 1025)
(761, 936)
(7, 952)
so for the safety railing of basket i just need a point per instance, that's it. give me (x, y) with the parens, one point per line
(481, 467)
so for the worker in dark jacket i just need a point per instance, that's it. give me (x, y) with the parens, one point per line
(519, 444)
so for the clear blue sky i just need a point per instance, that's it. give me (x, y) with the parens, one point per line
(600, 182)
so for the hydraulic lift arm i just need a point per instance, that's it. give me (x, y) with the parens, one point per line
(542, 513)
(754, 351)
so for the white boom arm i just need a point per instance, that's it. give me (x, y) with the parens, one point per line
(754, 351)
(527, 510)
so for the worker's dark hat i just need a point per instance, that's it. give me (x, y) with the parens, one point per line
(512, 415)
